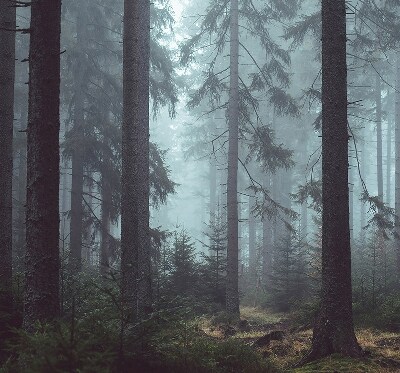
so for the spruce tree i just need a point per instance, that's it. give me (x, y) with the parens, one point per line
(42, 264)
(334, 330)
(7, 77)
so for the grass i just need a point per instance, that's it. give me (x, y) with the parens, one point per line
(259, 316)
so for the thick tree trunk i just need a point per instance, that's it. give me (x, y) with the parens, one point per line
(232, 281)
(135, 238)
(7, 77)
(41, 298)
(76, 224)
(397, 166)
(334, 330)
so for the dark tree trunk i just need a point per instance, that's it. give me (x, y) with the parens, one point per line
(334, 330)
(232, 279)
(7, 77)
(76, 224)
(42, 265)
(135, 239)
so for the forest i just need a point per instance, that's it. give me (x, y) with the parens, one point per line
(204, 187)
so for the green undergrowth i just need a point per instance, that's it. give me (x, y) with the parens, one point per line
(339, 364)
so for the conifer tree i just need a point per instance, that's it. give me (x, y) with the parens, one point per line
(334, 330)
(41, 296)
(223, 19)
(7, 77)
(135, 234)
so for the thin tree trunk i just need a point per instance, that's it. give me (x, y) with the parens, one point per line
(389, 162)
(106, 201)
(378, 98)
(232, 280)
(252, 242)
(135, 238)
(363, 211)
(351, 198)
(7, 78)
(334, 330)
(41, 298)
(76, 224)
(267, 243)
(64, 197)
(19, 248)
(213, 193)
(397, 166)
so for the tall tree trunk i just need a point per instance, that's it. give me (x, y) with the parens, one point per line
(42, 265)
(232, 280)
(213, 193)
(76, 224)
(334, 330)
(351, 198)
(65, 188)
(389, 162)
(7, 77)
(135, 238)
(379, 169)
(397, 166)
(252, 242)
(19, 248)
(363, 210)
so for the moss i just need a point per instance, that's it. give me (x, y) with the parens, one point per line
(340, 364)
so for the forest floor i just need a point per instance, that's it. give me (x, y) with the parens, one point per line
(285, 345)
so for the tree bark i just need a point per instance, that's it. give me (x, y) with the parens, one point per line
(135, 239)
(41, 297)
(7, 78)
(232, 280)
(334, 330)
